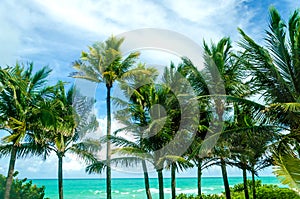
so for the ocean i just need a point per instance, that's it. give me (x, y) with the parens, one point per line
(127, 188)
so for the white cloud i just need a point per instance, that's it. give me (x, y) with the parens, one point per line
(72, 163)
(33, 169)
(198, 11)
(74, 14)
(53, 32)
(10, 36)
(103, 17)
(211, 19)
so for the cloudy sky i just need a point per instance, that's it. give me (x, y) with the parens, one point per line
(54, 32)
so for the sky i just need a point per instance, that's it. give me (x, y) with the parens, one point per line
(54, 32)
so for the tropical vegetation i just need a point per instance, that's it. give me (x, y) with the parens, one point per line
(263, 192)
(104, 64)
(22, 188)
(173, 121)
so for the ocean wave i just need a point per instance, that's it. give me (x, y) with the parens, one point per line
(188, 191)
(166, 190)
(208, 188)
(98, 192)
(139, 190)
(154, 190)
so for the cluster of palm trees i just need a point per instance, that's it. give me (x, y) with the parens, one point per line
(170, 119)
(40, 119)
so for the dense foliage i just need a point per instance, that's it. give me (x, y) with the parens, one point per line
(22, 189)
(237, 192)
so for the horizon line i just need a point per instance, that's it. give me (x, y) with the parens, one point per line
(143, 178)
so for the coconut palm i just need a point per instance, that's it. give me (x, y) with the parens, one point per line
(276, 74)
(174, 80)
(201, 159)
(67, 119)
(249, 141)
(104, 64)
(131, 110)
(146, 122)
(222, 75)
(196, 152)
(151, 115)
(22, 91)
(138, 151)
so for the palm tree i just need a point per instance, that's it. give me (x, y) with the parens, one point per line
(150, 114)
(175, 81)
(139, 120)
(249, 141)
(221, 75)
(22, 91)
(223, 69)
(198, 154)
(201, 159)
(67, 119)
(104, 64)
(276, 74)
(131, 110)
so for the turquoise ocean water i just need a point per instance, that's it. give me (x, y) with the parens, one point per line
(128, 188)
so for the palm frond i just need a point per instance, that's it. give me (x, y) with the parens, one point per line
(119, 141)
(126, 161)
(135, 152)
(83, 153)
(293, 107)
(287, 169)
(95, 167)
(5, 150)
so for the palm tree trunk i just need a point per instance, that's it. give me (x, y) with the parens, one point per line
(160, 184)
(10, 173)
(60, 177)
(253, 183)
(108, 168)
(245, 181)
(199, 175)
(225, 179)
(173, 180)
(146, 177)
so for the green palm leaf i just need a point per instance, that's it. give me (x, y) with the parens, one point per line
(287, 170)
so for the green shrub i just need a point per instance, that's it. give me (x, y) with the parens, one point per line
(210, 196)
(274, 192)
(262, 192)
(184, 196)
(240, 187)
(22, 189)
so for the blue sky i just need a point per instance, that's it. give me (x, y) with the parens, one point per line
(54, 32)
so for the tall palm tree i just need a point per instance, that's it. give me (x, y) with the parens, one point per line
(104, 63)
(22, 91)
(132, 109)
(249, 141)
(276, 74)
(138, 112)
(223, 69)
(67, 119)
(196, 152)
(149, 113)
(201, 159)
(175, 81)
